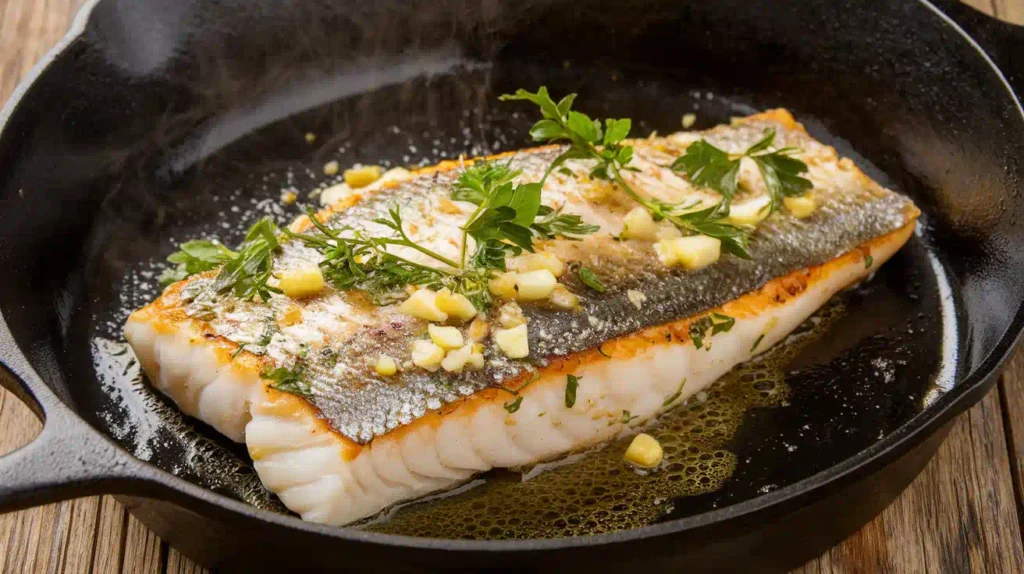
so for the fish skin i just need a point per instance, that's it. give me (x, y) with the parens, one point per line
(335, 457)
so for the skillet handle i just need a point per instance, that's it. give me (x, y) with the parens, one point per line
(1002, 41)
(68, 459)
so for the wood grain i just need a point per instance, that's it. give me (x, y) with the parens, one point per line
(963, 513)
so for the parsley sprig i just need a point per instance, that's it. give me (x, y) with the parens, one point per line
(551, 223)
(244, 273)
(508, 216)
(504, 213)
(715, 322)
(709, 166)
(354, 259)
(589, 139)
(193, 257)
(288, 380)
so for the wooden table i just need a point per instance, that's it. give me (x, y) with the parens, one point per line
(962, 514)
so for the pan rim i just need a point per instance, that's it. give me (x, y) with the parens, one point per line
(881, 453)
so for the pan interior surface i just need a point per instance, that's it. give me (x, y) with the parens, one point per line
(208, 125)
(863, 367)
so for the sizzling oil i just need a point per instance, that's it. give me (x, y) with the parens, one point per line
(597, 491)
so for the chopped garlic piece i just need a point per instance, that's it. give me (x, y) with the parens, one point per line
(362, 176)
(638, 224)
(645, 451)
(461, 358)
(693, 252)
(801, 206)
(535, 285)
(478, 329)
(511, 315)
(503, 285)
(538, 261)
(637, 298)
(334, 194)
(426, 354)
(288, 197)
(668, 231)
(332, 168)
(386, 366)
(299, 283)
(666, 253)
(393, 174)
(513, 342)
(423, 304)
(476, 357)
(445, 337)
(689, 120)
(455, 305)
(750, 212)
(562, 298)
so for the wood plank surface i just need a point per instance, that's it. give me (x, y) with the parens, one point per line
(963, 513)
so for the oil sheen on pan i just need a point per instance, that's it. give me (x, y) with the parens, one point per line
(433, 325)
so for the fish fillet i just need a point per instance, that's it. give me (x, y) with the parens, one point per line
(361, 442)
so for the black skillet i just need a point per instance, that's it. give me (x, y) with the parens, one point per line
(152, 118)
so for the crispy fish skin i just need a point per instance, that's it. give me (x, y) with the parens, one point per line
(349, 452)
(328, 478)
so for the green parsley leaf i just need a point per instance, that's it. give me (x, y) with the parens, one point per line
(246, 275)
(289, 381)
(757, 342)
(627, 417)
(572, 382)
(513, 406)
(590, 280)
(551, 223)
(196, 256)
(868, 261)
(504, 211)
(708, 166)
(715, 322)
(672, 398)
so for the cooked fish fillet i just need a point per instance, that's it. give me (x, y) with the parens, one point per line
(360, 442)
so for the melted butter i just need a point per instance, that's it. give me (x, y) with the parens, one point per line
(597, 492)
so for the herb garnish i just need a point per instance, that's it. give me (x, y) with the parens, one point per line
(589, 139)
(709, 166)
(195, 257)
(675, 395)
(247, 273)
(590, 280)
(244, 272)
(572, 382)
(868, 261)
(551, 223)
(513, 406)
(507, 217)
(757, 342)
(626, 417)
(504, 213)
(355, 260)
(716, 322)
(289, 381)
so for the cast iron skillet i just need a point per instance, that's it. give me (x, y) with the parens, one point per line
(131, 132)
